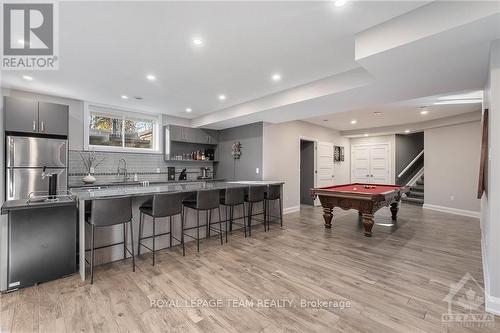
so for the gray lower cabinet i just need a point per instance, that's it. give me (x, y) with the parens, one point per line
(53, 118)
(31, 116)
(21, 115)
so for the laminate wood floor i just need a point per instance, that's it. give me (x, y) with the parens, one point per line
(394, 281)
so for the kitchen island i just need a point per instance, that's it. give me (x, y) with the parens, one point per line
(141, 194)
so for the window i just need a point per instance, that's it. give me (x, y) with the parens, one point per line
(114, 129)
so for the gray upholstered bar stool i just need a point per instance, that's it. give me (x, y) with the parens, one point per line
(273, 193)
(231, 198)
(106, 213)
(206, 200)
(163, 205)
(256, 194)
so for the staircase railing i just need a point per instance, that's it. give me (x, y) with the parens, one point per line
(411, 164)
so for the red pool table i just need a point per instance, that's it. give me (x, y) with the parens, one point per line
(355, 196)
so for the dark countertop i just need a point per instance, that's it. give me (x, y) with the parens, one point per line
(137, 183)
(140, 190)
(11, 205)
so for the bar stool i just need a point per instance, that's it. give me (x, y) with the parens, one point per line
(273, 193)
(106, 213)
(232, 197)
(255, 195)
(206, 200)
(163, 205)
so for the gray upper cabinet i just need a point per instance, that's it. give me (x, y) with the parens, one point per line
(193, 135)
(176, 133)
(53, 118)
(212, 136)
(21, 115)
(30, 116)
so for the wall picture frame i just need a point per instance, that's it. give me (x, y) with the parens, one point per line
(483, 162)
(338, 154)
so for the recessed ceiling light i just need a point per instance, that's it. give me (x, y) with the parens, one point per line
(354, 121)
(276, 77)
(366, 134)
(459, 101)
(188, 110)
(407, 131)
(377, 113)
(27, 77)
(222, 97)
(339, 3)
(197, 41)
(139, 98)
(150, 77)
(124, 96)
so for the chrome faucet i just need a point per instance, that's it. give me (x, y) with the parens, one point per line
(123, 170)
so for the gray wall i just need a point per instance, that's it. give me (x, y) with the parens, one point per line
(306, 171)
(490, 207)
(452, 166)
(407, 148)
(250, 137)
(282, 156)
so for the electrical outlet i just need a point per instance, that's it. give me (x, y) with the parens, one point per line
(452, 198)
(157, 170)
(257, 170)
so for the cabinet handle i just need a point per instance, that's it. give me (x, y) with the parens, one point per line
(42, 126)
(34, 125)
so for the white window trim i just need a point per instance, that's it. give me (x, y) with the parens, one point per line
(121, 112)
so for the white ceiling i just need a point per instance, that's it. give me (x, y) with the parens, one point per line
(107, 48)
(401, 113)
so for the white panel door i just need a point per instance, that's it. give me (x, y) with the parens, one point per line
(325, 164)
(379, 164)
(360, 167)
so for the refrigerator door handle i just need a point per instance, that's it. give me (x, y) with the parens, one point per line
(11, 183)
(11, 152)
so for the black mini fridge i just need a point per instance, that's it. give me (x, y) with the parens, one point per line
(42, 244)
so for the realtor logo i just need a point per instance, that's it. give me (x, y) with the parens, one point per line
(466, 305)
(29, 36)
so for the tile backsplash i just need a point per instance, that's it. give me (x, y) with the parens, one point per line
(150, 167)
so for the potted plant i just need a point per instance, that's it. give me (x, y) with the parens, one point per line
(90, 162)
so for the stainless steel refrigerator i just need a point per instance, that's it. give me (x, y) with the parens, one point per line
(25, 159)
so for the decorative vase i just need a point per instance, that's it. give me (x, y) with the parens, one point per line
(89, 179)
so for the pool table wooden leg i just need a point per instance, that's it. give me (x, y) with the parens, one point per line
(368, 224)
(394, 211)
(327, 216)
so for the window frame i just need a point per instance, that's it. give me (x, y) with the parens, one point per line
(123, 114)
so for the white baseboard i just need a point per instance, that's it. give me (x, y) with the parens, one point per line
(456, 211)
(492, 303)
(292, 209)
